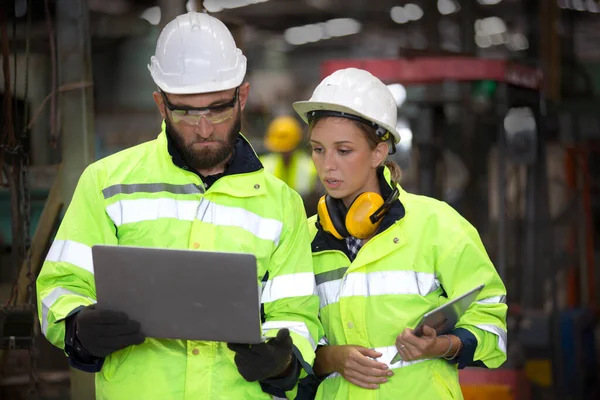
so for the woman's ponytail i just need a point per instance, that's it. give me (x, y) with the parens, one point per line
(395, 171)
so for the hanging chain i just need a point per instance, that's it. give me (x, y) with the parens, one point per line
(26, 212)
(33, 352)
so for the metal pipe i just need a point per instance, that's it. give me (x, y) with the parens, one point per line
(528, 294)
(502, 108)
(467, 28)
(77, 107)
(555, 268)
(581, 234)
(424, 143)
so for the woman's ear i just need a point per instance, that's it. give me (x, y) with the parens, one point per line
(380, 153)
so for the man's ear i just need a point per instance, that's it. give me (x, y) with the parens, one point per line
(244, 90)
(159, 103)
(380, 154)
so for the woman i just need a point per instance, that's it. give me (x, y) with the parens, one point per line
(384, 257)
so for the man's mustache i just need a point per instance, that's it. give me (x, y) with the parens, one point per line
(209, 139)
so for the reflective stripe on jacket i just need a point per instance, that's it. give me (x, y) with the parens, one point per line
(426, 255)
(139, 197)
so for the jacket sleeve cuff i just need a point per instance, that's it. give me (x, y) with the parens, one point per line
(469, 345)
(278, 386)
(79, 358)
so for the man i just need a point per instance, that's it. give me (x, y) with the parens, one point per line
(199, 185)
(288, 162)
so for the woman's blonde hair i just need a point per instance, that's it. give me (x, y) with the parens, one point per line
(371, 135)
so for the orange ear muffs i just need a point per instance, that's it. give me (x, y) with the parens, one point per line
(332, 217)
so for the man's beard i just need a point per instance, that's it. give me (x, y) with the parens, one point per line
(209, 156)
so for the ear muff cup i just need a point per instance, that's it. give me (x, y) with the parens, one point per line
(362, 218)
(358, 218)
(332, 217)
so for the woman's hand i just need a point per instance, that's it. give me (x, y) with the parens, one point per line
(357, 365)
(412, 347)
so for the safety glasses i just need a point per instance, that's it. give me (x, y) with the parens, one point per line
(192, 116)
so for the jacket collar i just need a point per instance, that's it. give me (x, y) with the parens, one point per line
(325, 241)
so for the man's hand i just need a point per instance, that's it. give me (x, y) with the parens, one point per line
(262, 361)
(102, 332)
(412, 347)
(357, 365)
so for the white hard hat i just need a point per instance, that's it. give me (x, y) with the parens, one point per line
(196, 53)
(356, 92)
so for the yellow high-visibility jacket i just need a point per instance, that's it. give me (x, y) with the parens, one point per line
(424, 254)
(140, 197)
(300, 175)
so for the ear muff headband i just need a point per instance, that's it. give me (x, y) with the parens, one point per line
(337, 214)
(385, 207)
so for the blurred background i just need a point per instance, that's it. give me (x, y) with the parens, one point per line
(499, 110)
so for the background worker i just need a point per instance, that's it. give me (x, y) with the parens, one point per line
(197, 186)
(288, 161)
(384, 257)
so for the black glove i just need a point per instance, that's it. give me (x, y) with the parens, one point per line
(258, 362)
(102, 332)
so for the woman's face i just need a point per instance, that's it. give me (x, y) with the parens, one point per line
(344, 161)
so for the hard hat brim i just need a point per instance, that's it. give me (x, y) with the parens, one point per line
(206, 87)
(278, 148)
(303, 108)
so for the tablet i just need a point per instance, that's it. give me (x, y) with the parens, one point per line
(181, 294)
(444, 318)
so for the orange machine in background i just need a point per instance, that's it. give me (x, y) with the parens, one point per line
(502, 384)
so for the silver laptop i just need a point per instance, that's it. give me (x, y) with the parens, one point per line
(181, 294)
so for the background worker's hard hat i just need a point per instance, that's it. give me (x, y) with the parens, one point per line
(196, 53)
(357, 92)
(284, 134)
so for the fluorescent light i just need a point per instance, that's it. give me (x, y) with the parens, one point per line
(447, 7)
(519, 119)
(483, 41)
(519, 41)
(342, 27)
(294, 35)
(337, 27)
(303, 34)
(490, 26)
(152, 15)
(497, 39)
(219, 5)
(398, 15)
(399, 93)
(488, 2)
(406, 135)
(413, 12)
(313, 33)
